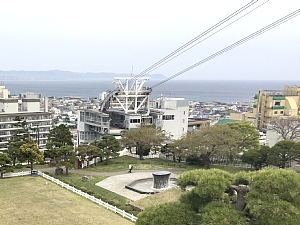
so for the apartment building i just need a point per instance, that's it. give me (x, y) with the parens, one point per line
(39, 122)
(269, 104)
(276, 103)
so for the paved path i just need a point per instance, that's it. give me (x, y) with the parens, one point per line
(116, 181)
(117, 184)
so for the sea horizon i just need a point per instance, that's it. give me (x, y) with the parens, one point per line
(226, 91)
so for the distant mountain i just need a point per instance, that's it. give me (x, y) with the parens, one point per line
(66, 75)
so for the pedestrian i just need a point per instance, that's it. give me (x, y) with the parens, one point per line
(130, 168)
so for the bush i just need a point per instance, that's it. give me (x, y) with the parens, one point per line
(84, 189)
(90, 192)
(19, 166)
(97, 196)
(135, 213)
(110, 202)
(125, 208)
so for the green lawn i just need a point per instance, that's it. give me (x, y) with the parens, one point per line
(34, 200)
(19, 167)
(90, 187)
(170, 195)
(121, 163)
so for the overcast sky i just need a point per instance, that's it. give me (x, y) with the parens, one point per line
(114, 36)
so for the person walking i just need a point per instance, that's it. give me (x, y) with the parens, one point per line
(130, 168)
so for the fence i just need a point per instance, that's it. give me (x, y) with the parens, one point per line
(79, 192)
(23, 173)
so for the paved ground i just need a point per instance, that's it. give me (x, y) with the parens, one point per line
(116, 181)
(117, 184)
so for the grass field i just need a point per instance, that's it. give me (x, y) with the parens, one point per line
(170, 195)
(34, 200)
(90, 187)
(121, 163)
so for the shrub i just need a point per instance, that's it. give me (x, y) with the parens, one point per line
(125, 208)
(84, 189)
(98, 196)
(90, 192)
(19, 166)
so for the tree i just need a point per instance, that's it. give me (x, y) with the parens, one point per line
(108, 147)
(19, 137)
(267, 196)
(59, 136)
(220, 213)
(296, 150)
(287, 127)
(256, 157)
(282, 154)
(212, 142)
(249, 135)
(177, 149)
(274, 197)
(174, 213)
(67, 157)
(4, 160)
(30, 151)
(87, 152)
(143, 138)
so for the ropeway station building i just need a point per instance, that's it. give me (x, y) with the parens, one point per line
(127, 107)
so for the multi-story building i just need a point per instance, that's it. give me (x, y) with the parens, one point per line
(171, 116)
(38, 122)
(128, 107)
(269, 104)
(167, 114)
(276, 103)
(91, 125)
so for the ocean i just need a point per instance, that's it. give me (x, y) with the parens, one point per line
(226, 91)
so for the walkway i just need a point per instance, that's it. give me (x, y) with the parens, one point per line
(116, 181)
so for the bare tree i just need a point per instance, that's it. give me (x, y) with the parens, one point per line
(287, 127)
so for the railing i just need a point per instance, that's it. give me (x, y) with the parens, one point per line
(23, 173)
(79, 192)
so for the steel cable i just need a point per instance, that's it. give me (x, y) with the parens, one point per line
(234, 45)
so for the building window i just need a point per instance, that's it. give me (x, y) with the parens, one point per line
(277, 103)
(275, 112)
(168, 117)
(183, 120)
(281, 112)
(135, 120)
(183, 112)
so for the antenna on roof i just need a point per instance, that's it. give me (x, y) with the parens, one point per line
(131, 70)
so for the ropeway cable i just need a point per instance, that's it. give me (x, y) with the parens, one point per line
(184, 46)
(204, 39)
(236, 44)
(197, 38)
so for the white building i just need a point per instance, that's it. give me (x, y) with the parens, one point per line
(91, 125)
(171, 115)
(167, 114)
(129, 106)
(39, 122)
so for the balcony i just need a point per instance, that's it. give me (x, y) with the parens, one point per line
(279, 97)
(277, 107)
